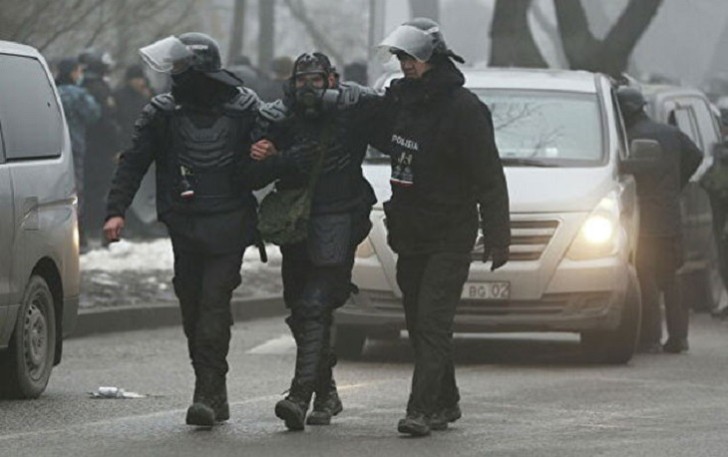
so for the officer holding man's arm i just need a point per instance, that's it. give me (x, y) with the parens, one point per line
(446, 176)
(198, 136)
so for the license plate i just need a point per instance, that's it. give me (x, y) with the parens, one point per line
(487, 291)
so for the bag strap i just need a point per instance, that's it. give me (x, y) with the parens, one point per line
(325, 139)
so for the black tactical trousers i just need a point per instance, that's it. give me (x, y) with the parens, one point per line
(312, 292)
(657, 263)
(432, 285)
(204, 284)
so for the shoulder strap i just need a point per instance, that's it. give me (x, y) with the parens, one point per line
(326, 137)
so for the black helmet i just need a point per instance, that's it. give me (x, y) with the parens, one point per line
(421, 38)
(205, 49)
(96, 60)
(312, 63)
(190, 51)
(631, 101)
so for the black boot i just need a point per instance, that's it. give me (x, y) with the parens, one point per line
(293, 408)
(326, 404)
(209, 403)
(414, 424)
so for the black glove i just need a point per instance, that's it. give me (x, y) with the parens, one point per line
(499, 256)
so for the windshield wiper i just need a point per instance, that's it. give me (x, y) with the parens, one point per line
(520, 162)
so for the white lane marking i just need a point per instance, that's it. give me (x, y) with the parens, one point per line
(284, 344)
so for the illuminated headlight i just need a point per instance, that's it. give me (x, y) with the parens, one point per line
(365, 249)
(597, 229)
(598, 236)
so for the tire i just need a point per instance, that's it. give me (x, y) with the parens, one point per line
(26, 365)
(349, 342)
(616, 347)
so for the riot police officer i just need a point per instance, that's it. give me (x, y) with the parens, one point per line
(660, 251)
(319, 116)
(446, 171)
(198, 136)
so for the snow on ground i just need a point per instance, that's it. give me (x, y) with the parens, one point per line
(139, 273)
(157, 255)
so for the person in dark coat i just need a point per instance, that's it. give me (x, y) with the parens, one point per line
(131, 98)
(101, 137)
(198, 136)
(81, 110)
(317, 271)
(447, 179)
(660, 252)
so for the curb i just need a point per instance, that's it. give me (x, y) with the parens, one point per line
(124, 319)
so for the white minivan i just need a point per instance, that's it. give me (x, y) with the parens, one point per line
(39, 265)
(574, 223)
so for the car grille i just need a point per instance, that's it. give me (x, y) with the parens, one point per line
(529, 239)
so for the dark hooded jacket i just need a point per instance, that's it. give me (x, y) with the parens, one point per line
(445, 166)
(659, 188)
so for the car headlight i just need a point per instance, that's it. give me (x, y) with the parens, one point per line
(365, 249)
(599, 234)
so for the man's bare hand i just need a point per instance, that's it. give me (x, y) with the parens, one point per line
(113, 228)
(262, 150)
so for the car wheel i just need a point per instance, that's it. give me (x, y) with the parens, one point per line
(26, 366)
(617, 346)
(349, 342)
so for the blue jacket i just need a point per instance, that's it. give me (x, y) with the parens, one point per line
(81, 111)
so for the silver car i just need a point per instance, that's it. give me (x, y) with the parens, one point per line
(39, 266)
(574, 223)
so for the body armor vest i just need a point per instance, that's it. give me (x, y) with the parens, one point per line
(205, 157)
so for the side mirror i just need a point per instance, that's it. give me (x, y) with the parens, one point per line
(644, 156)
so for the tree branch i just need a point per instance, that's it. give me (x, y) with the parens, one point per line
(512, 43)
(298, 11)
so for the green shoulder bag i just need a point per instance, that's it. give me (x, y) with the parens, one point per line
(284, 214)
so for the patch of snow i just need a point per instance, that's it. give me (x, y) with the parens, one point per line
(157, 255)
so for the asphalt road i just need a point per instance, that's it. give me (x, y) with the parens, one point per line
(522, 396)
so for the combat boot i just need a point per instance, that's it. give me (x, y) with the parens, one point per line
(444, 416)
(415, 424)
(209, 403)
(326, 404)
(292, 409)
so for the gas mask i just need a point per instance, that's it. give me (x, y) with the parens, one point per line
(311, 101)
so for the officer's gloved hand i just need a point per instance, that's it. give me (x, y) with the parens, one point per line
(498, 255)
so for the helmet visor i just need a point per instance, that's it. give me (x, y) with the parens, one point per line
(168, 55)
(411, 40)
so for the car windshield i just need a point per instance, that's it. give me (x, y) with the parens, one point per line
(538, 128)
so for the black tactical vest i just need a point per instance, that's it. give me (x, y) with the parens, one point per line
(206, 150)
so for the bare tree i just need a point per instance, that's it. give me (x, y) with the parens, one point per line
(266, 40)
(512, 42)
(300, 13)
(120, 26)
(610, 55)
(238, 28)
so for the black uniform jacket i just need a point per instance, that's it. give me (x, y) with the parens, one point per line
(445, 166)
(659, 188)
(204, 227)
